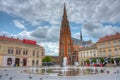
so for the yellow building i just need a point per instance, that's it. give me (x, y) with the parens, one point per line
(16, 52)
(109, 46)
(87, 53)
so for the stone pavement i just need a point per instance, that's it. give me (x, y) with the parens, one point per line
(14, 74)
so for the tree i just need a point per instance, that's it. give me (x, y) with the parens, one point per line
(101, 60)
(47, 59)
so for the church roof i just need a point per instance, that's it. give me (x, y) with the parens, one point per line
(92, 46)
(81, 43)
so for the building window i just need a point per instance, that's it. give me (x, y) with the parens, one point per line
(110, 52)
(118, 42)
(100, 53)
(99, 46)
(85, 54)
(94, 55)
(103, 45)
(109, 44)
(18, 51)
(103, 53)
(81, 55)
(37, 62)
(90, 55)
(23, 52)
(33, 53)
(115, 43)
(33, 62)
(116, 51)
(26, 52)
(10, 50)
(37, 54)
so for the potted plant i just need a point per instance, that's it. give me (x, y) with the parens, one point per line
(87, 62)
(101, 61)
(94, 61)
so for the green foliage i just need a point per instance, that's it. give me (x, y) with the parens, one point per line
(101, 60)
(111, 60)
(119, 58)
(88, 61)
(47, 59)
(94, 60)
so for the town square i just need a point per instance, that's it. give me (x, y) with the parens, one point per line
(59, 40)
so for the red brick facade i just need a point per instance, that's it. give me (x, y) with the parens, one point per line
(65, 45)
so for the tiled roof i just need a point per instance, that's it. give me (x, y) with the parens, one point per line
(78, 42)
(10, 39)
(110, 37)
(90, 47)
(4, 38)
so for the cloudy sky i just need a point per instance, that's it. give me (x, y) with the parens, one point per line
(40, 20)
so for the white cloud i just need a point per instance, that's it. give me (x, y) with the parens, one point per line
(92, 30)
(35, 11)
(46, 33)
(97, 30)
(19, 24)
(90, 13)
(24, 34)
(51, 48)
(46, 36)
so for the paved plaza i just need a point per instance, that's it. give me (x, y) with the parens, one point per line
(15, 74)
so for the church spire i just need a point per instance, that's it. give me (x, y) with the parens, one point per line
(65, 44)
(64, 13)
(81, 36)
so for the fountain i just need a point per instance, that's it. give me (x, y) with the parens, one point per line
(64, 70)
(64, 65)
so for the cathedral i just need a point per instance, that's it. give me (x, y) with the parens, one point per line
(65, 44)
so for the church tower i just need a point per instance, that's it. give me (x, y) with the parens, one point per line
(81, 39)
(65, 43)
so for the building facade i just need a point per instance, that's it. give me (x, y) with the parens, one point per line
(106, 48)
(65, 44)
(109, 46)
(87, 53)
(16, 52)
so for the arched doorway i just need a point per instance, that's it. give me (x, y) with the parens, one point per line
(17, 62)
(24, 62)
(9, 61)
